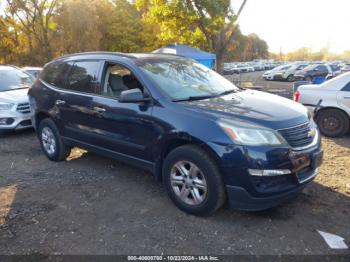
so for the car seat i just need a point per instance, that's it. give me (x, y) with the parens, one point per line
(115, 85)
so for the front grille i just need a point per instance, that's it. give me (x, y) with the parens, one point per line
(23, 108)
(297, 136)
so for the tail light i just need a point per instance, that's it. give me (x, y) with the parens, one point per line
(296, 96)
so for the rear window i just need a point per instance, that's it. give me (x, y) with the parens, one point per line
(54, 74)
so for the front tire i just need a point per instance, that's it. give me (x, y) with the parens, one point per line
(193, 181)
(290, 78)
(333, 122)
(51, 142)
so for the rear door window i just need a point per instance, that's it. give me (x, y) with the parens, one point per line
(322, 68)
(83, 77)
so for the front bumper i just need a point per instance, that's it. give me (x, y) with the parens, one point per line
(278, 77)
(250, 192)
(15, 120)
(268, 77)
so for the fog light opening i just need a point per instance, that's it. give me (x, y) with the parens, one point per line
(269, 172)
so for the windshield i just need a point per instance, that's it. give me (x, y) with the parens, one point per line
(13, 78)
(310, 67)
(186, 79)
(280, 68)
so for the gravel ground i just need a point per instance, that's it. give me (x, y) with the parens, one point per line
(95, 205)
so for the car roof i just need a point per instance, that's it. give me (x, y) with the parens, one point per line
(31, 68)
(112, 55)
(7, 67)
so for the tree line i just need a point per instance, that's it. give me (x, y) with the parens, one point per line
(306, 54)
(32, 32)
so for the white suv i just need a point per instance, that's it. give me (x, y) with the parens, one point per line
(15, 110)
(332, 102)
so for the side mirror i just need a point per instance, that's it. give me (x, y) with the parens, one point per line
(133, 96)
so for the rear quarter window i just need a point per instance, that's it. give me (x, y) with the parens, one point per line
(346, 87)
(54, 74)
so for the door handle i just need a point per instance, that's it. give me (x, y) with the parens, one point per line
(346, 97)
(99, 109)
(60, 102)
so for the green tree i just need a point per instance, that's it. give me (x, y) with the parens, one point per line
(122, 28)
(34, 22)
(206, 24)
(77, 27)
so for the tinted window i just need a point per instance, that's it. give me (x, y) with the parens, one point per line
(13, 78)
(54, 73)
(301, 67)
(347, 87)
(322, 68)
(83, 77)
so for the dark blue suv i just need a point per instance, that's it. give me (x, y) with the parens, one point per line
(206, 139)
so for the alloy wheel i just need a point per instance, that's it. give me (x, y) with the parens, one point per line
(48, 140)
(188, 183)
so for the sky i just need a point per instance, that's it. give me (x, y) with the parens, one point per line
(291, 24)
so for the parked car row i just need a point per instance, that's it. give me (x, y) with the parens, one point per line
(246, 67)
(303, 71)
(345, 67)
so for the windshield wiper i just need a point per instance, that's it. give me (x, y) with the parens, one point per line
(227, 92)
(194, 98)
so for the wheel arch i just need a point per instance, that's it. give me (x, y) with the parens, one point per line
(175, 142)
(39, 116)
(334, 108)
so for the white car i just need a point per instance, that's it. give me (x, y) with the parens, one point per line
(15, 112)
(34, 71)
(270, 75)
(345, 67)
(331, 100)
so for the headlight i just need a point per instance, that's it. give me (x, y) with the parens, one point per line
(244, 134)
(6, 106)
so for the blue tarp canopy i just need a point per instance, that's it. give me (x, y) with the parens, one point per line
(205, 58)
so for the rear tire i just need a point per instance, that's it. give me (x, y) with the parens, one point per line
(193, 181)
(333, 122)
(51, 142)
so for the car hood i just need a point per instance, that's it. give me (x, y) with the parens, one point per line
(14, 96)
(252, 106)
